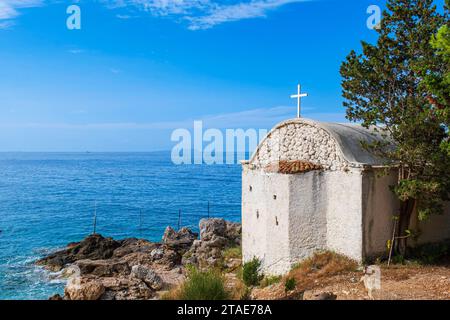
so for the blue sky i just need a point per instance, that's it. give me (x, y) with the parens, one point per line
(138, 69)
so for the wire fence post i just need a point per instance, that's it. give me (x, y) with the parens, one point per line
(179, 219)
(140, 223)
(95, 218)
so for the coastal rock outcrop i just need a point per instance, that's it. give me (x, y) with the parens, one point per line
(103, 268)
(180, 240)
(84, 289)
(216, 235)
(146, 274)
(107, 269)
(94, 247)
(107, 288)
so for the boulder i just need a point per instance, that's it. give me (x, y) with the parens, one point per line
(107, 288)
(216, 235)
(157, 254)
(233, 233)
(212, 227)
(103, 268)
(94, 247)
(147, 275)
(118, 288)
(133, 245)
(180, 241)
(84, 289)
(310, 295)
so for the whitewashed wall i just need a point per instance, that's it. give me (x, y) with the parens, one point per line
(261, 237)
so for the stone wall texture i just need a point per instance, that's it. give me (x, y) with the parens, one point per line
(299, 141)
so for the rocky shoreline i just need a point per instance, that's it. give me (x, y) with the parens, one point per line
(99, 268)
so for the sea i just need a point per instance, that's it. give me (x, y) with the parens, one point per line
(48, 200)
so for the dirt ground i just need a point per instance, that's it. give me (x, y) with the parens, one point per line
(344, 281)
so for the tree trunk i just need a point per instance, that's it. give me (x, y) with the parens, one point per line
(406, 210)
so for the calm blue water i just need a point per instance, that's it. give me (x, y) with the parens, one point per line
(47, 200)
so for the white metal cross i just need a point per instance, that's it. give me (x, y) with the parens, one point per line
(299, 97)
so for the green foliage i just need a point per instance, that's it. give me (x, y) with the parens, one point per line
(398, 259)
(203, 285)
(431, 253)
(250, 272)
(439, 83)
(270, 280)
(233, 253)
(246, 294)
(400, 84)
(290, 284)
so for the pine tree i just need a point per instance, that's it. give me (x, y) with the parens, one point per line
(389, 85)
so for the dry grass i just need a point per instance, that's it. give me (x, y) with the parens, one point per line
(324, 263)
(320, 265)
(172, 294)
(320, 269)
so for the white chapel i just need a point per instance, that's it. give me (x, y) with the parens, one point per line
(311, 185)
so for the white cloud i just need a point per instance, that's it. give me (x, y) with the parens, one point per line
(203, 14)
(227, 13)
(123, 16)
(197, 14)
(6, 24)
(9, 10)
(76, 51)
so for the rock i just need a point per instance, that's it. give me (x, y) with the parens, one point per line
(106, 269)
(211, 227)
(147, 275)
(157, 254)
(181, 240)
(84, 289)
(234, 233)
(216, 235)
(310, 295)
(103, 268)
(107, 288)
(233, 264)
(170, 258)
(94, 247)
(118, 288)
(217, 242)
(133, 245)
(56, 297)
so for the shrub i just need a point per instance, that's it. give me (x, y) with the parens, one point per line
(250, 272)
(203, 285)
(431, 253)
(290, 284)
(245, 294)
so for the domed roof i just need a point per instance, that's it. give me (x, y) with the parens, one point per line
(331, 145)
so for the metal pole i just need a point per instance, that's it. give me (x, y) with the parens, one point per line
(95, 217)
(179, 219)
(208, 209)
(140, 223)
